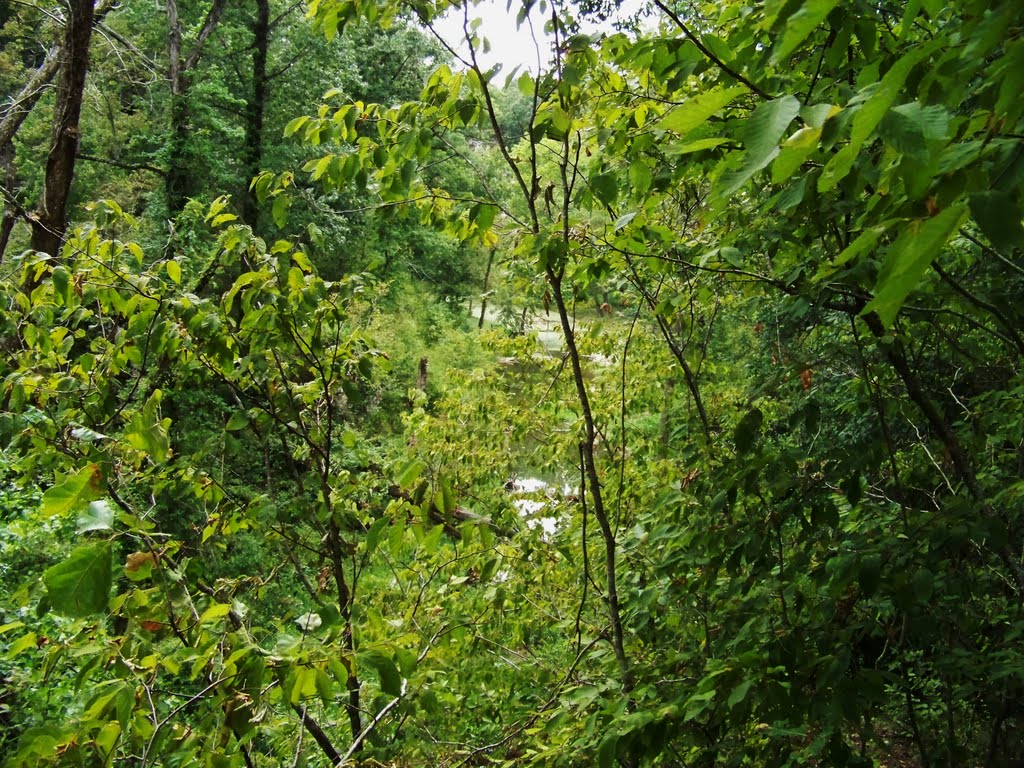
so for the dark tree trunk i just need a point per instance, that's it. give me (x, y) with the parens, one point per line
(49, 223)
(178, 185)
(255, 108)
(21, 106)
(11, 209)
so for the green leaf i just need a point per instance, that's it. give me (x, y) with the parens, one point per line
(174, 269)
(605, 187)
(998, 216)
(870, 114)
(294, 125)
(73, 492)
(279, 212)
(99, 516)
(739, 693)
(918, 246)
(764, 128)
(698, 110)
(698, 145)
(410, 473)
(239, 420)
(869, 575)
(304, 686)
(147, 432)
(747, 430)
(606, 751)
(21, 644)
(762, 132)
(373, 535)
(863, 243)
(794, 151)
(214, 612)
(800, 25)
(390, 679)
(640, 177)
(80, 586)
(924, 585)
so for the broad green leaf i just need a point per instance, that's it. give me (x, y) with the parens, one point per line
(305, 684)
(999, 217)
(800, 25)
(279, 211)
(869, 115)
(410, 473)
(174, 269)
(390, 679)
(324, 688)
(907, 259)
(623, 220)
(640, 177)
(768, 123)
(696, 111)
(605, 187)
(239, 420)
(373, 535)
(606, 751)
(214, 612)
(294, 125)
(698, 145)
(98, 516)
(748, 430)
(80, 586)
(23, 643)
(739, 693)
(762, 132)
(795, 150)
(863, 243)
(148, 432)
(73, 492)
(909, 128)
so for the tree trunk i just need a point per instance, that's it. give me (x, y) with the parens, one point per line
(255, 108)
(21, 106)
(487, 279)
(11, 210)
(178, 180)
(48, 225)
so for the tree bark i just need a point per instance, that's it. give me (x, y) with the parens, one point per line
(27, 97)
(11, 209)
(48, 225)
(255, 108)
(178, 180)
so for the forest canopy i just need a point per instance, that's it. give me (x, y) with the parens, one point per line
(366, 402)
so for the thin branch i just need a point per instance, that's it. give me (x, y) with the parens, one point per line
(125, 166)
(707, 52)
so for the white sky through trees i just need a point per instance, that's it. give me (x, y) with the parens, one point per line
(509, 45)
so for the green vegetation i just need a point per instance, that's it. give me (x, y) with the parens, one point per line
(364, 406)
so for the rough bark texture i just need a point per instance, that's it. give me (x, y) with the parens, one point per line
(36, 86)
(49, 223)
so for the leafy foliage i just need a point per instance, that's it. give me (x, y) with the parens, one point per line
(741, 484)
